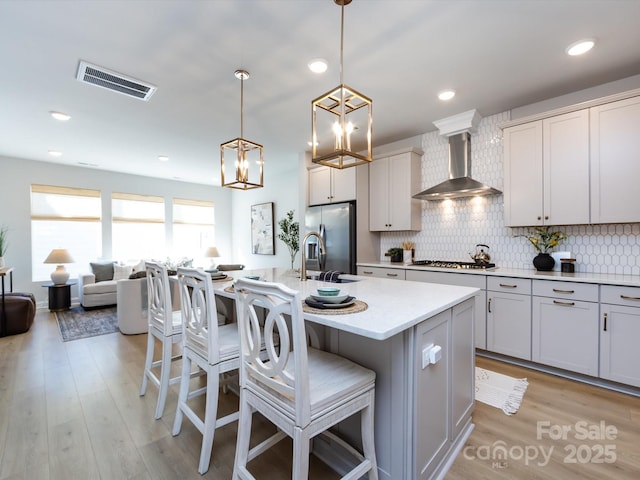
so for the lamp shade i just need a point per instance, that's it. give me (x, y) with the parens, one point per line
(211, 252)
(59, 256)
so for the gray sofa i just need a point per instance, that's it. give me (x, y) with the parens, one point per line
(98, 288)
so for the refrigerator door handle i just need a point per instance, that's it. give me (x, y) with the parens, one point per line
(322, 256)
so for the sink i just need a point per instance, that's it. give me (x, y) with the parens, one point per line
(337, 280)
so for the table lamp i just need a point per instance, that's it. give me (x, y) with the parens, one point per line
(59, 256)
(212, 252)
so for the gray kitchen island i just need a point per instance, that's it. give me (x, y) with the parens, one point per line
(418, 338)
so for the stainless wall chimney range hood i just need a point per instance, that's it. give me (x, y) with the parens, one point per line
(460, 184)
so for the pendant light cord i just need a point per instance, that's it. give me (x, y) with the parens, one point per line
(242, 107)
(342, 44)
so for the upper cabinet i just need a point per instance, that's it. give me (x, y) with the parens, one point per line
(615, 162)
(576, 165)
(392, 182)
(331, 185)
(546, 170)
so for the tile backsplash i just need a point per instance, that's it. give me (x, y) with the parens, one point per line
(452, 228)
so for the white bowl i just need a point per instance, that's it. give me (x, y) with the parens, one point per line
(330, 299)
(328, 291)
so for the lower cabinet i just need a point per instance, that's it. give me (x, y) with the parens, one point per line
(423, 409)
(565, 326)
(619, 334)
(509, 316)
(444, 385)
(382, 272)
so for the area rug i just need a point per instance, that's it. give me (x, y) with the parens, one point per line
(500, 391)
(77, 323)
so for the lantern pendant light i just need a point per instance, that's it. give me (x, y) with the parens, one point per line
(244, 159)
(341, 121)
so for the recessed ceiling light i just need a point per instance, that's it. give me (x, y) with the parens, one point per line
(63, 117)
(446, 95)
(163, 158)
(55, 153)
(318, 65)
(580, 47)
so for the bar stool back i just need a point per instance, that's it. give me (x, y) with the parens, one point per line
(302, 390)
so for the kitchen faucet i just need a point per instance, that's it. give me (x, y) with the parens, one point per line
(323, 250)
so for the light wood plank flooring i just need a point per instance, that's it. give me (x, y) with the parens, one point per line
(72, 411)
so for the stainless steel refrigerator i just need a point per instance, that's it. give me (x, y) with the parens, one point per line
(336, 223)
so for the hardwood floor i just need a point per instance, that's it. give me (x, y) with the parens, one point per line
(551, 404)
(72, 411)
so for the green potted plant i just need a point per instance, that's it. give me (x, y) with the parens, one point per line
(290, 235)
(544, 240)
(4, 231)
(396, 254)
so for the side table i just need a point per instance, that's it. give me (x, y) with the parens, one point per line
(59, 296)
(3, 312)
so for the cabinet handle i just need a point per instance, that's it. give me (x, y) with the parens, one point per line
(489, 305)
(568, 304)
(605, 322)
(627, 297)
(392, 274)
(546, 217)
(505, 285)
(539, 217)
(367, 272)
(557, 290)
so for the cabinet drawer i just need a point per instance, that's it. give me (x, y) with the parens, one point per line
(586, 292)
(510, 285)
(381, 272)
(618, 295)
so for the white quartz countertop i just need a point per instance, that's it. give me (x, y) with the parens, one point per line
(581, 277)
(393, 306)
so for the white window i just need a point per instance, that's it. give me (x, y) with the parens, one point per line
(138, 231)
(193, 229)
(64, 217)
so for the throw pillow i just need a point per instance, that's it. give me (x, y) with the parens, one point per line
(103, 271)
(121, 272)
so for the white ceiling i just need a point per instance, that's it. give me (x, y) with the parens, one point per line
(497, 55)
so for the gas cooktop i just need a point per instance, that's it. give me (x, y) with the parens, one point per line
(453, 264)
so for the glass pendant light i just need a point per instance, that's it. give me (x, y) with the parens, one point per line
(241, 160)
(341, 121)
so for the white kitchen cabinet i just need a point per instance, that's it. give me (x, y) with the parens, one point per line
(462, 366)
(392, 182)
(619, 334)
(382, 272)
(509, 316)
(444, 393)
(331, 185)
(431, 383)
(615, 162)
(565, 325)
(546, 171)
(463, 280)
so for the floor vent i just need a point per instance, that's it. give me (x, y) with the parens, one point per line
(101, 77)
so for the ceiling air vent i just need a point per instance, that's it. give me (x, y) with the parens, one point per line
(101, 77)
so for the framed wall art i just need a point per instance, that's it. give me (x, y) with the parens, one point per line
(262, 240)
